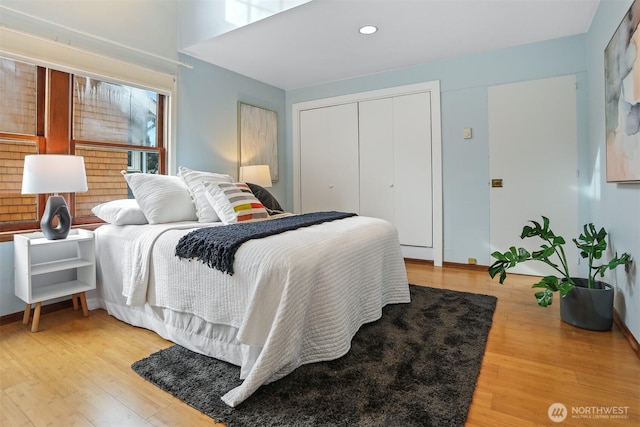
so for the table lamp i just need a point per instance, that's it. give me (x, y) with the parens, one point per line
(256, 174)
(54, 173)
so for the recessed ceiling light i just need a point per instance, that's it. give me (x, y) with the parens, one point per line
(368, 29)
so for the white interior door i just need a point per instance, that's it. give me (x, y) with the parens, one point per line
(533, 150)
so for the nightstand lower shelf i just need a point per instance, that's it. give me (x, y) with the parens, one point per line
(36, 312)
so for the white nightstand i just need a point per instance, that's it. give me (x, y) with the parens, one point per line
(47, 269)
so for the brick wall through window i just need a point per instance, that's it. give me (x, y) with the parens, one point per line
(101, 111)
(15, 207)
(18, 99)
(104, 179)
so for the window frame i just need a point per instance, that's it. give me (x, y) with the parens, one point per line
(11, 228)
(24, 226)
(54, 135)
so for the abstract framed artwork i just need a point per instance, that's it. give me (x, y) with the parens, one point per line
(258, 138)
(622, 99)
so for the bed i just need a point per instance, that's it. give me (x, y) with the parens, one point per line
(294, 298)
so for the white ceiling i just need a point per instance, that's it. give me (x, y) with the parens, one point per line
(319, 42)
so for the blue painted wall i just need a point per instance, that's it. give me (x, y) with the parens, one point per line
(614, 206)
(207, 130)
(9, 303)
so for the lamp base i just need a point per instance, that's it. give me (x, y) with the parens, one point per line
(56, 207)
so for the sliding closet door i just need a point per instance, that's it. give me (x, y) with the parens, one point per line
(377, 165)
(395, 174)
(413, 190)
(395, 165)
(329, 159)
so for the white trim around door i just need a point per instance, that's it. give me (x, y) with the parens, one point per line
(436, 252)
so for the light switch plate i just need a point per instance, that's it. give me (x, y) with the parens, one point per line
(466, 133)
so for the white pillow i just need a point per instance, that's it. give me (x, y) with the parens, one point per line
(234, 202)
(120, 212)
(163, 198)
(194, 181)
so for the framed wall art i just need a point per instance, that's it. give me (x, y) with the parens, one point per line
(258, 137)
(622, 99)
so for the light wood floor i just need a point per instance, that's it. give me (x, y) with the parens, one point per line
(76, 371)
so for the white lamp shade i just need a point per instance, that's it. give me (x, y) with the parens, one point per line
(53, 173)
(256, 174)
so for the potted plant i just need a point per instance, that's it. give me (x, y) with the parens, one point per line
(586, 302)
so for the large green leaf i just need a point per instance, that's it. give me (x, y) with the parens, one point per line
(546, 252)
(544, 298)
(564, 288)
(616, 261)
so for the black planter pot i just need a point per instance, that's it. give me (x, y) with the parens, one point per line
(588, 308)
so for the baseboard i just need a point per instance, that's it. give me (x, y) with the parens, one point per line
(49, 308)
(626, 333)
(419, 261)
(475, 267)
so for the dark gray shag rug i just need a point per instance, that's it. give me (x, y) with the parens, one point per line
(416, 366)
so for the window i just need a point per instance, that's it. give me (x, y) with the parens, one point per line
(18, 101)
(114, 126)
(19, 136)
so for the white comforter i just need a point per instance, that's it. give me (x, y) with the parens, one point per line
(295, 298)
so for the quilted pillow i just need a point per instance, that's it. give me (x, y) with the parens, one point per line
(120, 212)
(195, 182)
(162, 198)
(234, 202)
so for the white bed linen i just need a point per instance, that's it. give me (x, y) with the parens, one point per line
(295, 298)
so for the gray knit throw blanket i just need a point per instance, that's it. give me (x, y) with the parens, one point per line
(217, 246)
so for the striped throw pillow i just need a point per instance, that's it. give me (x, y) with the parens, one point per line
(234, 202)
